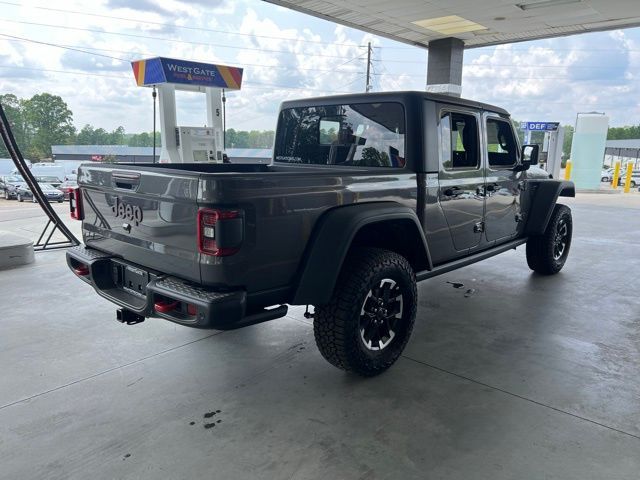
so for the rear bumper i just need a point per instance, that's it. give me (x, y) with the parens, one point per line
(164, 296)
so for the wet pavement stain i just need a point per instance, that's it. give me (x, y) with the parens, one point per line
(210, 415)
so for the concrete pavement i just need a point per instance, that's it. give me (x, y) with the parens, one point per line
(512, 376)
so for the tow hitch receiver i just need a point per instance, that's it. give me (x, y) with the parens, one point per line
(127, 316)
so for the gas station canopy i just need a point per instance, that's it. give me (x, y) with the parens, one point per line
(477, 23)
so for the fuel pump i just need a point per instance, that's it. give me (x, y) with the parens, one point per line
(551, 152)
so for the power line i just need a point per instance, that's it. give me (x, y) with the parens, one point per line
(354, 80)
(185, 27)
(78, 48)
(60, 46)
(164, 39)
(250, 82)
(122, 77)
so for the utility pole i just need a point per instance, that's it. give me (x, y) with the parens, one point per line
(368, 85)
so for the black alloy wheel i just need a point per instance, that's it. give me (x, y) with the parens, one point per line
(381, 311)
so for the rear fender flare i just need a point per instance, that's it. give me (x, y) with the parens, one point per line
(331, 240)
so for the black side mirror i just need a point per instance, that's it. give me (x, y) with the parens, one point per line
(529, 156)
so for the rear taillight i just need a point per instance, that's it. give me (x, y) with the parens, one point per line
(75, 204)
(219, 232)
(81, 270)
(165, 305)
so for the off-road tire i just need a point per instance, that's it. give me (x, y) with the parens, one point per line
(336, 325)
(542, 250)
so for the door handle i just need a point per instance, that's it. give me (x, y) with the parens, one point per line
(125, 180)
(453, 191)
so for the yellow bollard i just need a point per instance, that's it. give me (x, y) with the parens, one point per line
(627, 180)
(616, 176)
(567, 170)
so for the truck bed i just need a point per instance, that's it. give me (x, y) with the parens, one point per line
(279, 203)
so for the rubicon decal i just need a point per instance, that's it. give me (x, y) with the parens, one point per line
(126, 211)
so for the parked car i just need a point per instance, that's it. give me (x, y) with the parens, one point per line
(607, 175)
(367, 194)
(635, 178)
(9, 185)
(52, 193)
(67, 186)
(49, 179)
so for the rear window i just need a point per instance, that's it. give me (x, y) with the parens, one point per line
(363, 134)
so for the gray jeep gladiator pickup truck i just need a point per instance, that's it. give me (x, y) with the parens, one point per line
(366, 195)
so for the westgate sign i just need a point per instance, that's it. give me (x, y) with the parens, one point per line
(160, 70)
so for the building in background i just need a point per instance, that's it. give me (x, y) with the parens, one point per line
(622, 151)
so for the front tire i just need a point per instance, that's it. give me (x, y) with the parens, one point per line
(547, 253)
(19, 198)
(368, 321)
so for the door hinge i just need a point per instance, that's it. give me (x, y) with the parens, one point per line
(478, 227)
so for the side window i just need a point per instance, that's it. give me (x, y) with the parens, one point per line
(459, 141)
(502, 148)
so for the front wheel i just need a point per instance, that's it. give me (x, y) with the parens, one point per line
(547, 253)
(632, 184)
(368, 321)
(19, 198)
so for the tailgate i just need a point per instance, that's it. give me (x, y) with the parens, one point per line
(147, 217)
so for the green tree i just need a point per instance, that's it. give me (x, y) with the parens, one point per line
(252, 139)
(100, 137)
(566, 145)
(49, 121)
(12, 107)
(624, 133)
(117, 137)
(85, 135)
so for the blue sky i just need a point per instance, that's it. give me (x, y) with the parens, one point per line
(288, 55)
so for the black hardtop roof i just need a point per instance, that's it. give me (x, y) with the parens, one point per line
(402, 97)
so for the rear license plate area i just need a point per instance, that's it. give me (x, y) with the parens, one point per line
(131, 279)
